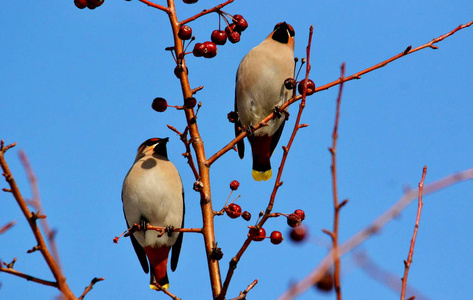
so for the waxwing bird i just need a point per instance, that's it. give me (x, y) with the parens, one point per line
(152, 194)
(259, 90)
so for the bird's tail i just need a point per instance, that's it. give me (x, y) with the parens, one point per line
(158, 261)
(261, 149)
(262, 175)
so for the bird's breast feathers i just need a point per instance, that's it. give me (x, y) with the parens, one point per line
(153, 193)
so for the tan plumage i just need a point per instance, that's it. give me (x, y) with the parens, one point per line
(152, 193)
(259, 89)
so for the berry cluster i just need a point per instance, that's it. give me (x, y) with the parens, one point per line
(232, 32)
(90, 4)
(233, 210)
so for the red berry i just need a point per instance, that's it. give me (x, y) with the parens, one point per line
(178, 69)
(300, 213)
(290, 83)
(234, 37)
(90, 5)
(189, 1)
(257, 234)
(276, 237)
(210, 49)
(185, 32)
(219, 37)
(190, 102)
(325, 284)
(246, 215)
(234, 185)
(232, 117)
(199, 50)
(298, 234)
(233, 210)
(240, 22)
(81, 4)
(310, 87)
(95, 3)
(294, 220)
(159, 104)
(231, 28)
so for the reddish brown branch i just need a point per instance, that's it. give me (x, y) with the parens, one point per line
(381, 275)
(407, 263)
(90, 286)
(371, 229)
(29, 277)
(234, 261)
(7, 226)
(187, 154)
(203, 170)
(152, 4)
(60, 279)
(336, 205)
(36, 203)
(243, 294)
(206, 11)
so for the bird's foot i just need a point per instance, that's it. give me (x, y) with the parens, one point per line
(250, 130)
(169, 229)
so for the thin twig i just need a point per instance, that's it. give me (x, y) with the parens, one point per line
(36, 203)
(7, 226)
(336, 205)
(206, 11)
(371, 229)
(187, 154)
(28, 277)
(234, 261)
(90, 286)
(152, 4)
(358, 75)
(243, 294)
(381, 275)
(407, 263)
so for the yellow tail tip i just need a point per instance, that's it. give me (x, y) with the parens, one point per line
(158, 288)
(264, 176)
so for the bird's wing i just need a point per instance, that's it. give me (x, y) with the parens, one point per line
(176, 248)
(140, 252)
(276, 136)
(241, 143)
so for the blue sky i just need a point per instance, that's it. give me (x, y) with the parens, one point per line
(76, 91)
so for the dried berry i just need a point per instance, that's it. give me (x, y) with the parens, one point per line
(246, 215)
(159, 104)
(294, 220)
(233, 210)
(310, 87)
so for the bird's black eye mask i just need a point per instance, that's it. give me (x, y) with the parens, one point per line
(282, 31)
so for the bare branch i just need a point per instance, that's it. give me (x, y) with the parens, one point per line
(90, 286)
(407, 263)
(206, 11)
(336, 205)
(28, 277)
